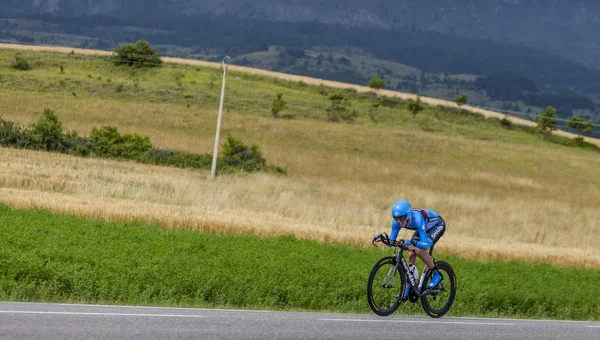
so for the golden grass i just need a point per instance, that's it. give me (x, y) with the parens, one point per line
(307, 80)
(501, 200)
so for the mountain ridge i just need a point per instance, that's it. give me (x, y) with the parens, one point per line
(559, 26)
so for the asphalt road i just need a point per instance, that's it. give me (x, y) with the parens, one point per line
(60, 321)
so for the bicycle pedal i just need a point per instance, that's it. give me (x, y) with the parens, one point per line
(430, 291)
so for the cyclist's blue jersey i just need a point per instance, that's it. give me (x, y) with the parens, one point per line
(418, 222)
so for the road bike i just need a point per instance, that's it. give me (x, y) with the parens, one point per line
(388, 278)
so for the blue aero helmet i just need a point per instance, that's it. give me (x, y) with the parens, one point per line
(400, 208)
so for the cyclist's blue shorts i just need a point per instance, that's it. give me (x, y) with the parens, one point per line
(434, 233)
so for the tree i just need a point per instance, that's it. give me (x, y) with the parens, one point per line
(460, 101)
(582, 126)
(547, 122)
(339, 110)
(139, 55)
(278, 105)
(415, 107)
(377, 83)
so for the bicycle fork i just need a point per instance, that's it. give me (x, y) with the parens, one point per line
(389, 281)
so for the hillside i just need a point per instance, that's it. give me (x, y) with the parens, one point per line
(308, 80)
(342, 178)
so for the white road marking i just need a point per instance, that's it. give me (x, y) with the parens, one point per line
(593, 326)
(153, 307)
(423, 321)
(104, 314)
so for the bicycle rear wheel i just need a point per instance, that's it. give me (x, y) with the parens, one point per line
(385, 285)
(437, 301)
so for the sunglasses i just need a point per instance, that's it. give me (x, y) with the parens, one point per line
(401, 218)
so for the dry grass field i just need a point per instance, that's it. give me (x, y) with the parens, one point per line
(501, 200)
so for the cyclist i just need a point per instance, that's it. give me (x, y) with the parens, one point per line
(429, 226)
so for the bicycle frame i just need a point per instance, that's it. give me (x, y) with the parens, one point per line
(413, 280)
(414, 286)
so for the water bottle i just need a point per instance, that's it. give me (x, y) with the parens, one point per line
(414, 271)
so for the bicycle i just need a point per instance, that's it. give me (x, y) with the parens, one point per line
(387, 283)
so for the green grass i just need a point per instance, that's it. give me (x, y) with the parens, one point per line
(58, 258)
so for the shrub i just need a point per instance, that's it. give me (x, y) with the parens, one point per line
(139, 55)
(377, 83)
(547, 122)
(176, 159)
(582, 127)
(460, 101)
(108, 142)
(46, 133)
(278, 104)
(339, 110)
(238, 155)
(11, 134)
(506, 122)
(20, 64)
(75, 145)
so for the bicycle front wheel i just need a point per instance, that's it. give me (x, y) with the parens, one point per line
(385, 285)
(438, 300)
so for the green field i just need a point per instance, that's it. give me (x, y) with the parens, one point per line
(57, 258)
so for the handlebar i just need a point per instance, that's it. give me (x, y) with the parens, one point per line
(384, 238)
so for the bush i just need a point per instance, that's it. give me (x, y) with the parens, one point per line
(75, 145)
(238, 155)
(20, 64)
(46, 133)
(139, 55)
(377, 83)
(108, 142)
(176, 159)
(506, 122)
(278, 104)
(11, 134)
(339, 110)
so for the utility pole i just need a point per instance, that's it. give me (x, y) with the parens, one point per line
(224, 63)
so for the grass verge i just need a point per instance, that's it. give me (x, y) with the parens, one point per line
(61, 258)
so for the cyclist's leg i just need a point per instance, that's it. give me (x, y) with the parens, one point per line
(411, 261)
(435, 234)
(411, 255)
(422, 254)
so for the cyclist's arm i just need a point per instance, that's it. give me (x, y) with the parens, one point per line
(425, 242)
(395, 229)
